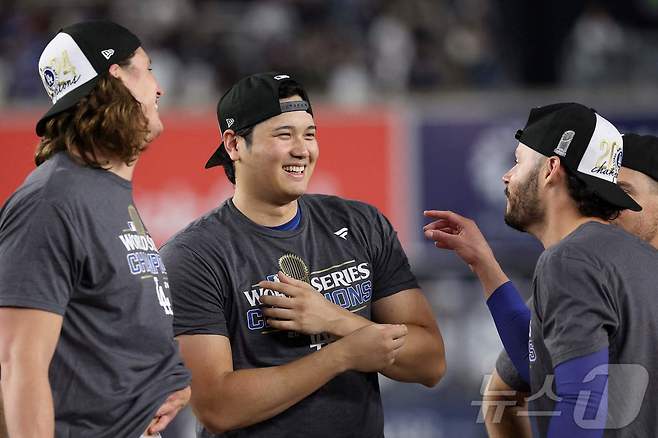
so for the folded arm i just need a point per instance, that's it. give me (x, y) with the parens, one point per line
(224, 399)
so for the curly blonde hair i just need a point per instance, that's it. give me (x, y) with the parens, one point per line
(106, 124)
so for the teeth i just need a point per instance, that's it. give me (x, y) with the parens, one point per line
(294, 169)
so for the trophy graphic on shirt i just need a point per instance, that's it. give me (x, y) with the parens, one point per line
(136, 221)
(294, 267)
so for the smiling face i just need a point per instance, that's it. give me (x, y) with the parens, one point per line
(278, 164)
(524, 207)
(140, 80)
(644, 191)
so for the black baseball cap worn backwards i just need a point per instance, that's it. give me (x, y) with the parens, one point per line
(77, 57)
(252, 100)
(587, 144)
(641, 154)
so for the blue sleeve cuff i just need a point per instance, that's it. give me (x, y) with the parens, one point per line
(512, 319)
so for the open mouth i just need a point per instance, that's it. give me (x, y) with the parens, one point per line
(295, 170)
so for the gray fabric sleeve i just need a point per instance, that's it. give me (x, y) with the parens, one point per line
(392, 272)
(40, 257)
(198, 303)
(507, 372)
(576, 308)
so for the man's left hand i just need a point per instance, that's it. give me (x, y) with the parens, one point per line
(305, 310)
(171, 406)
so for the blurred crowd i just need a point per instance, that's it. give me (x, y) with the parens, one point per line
(353, 51)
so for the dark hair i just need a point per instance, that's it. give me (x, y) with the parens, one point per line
(287, 89)
(107, 123)
(588, 202)
(227, 163)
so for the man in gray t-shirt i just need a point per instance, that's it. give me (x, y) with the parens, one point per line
(288, 304)
(591, 344)
(86, 339)
(638, 177)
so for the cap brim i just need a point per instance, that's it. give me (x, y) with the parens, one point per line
(611, 192)
(66, 102)
(215, 159)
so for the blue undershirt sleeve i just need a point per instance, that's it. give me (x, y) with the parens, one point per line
(512, 319)
(581, 386)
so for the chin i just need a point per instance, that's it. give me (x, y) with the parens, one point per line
(154, 132)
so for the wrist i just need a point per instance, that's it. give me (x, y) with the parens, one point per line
(490, 274)
(339, 355)
(345, 322)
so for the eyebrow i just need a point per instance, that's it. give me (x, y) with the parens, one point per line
(625, 186)
(279, 128)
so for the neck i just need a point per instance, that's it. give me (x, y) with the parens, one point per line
(560, 221)
(264, 212)
(120, 168)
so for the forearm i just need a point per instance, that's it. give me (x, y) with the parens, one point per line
(28, 405)
(421, 360)
(501, 406)
(510, 422)
(512, 319)
(248, 396)
(346, 323)
(489, 272)
(3, 424)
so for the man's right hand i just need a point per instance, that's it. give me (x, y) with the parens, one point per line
(462, 235)
(374, 347)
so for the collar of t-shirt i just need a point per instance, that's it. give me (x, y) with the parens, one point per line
(292, 224)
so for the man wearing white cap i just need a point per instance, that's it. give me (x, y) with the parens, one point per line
(86, 340)
(590, 350)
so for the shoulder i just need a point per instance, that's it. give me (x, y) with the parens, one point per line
(596, 245)
(60, 181)
(201, 234)
(340, 206)
(45, 191)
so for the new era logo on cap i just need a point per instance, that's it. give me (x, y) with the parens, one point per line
(107, 53)
(230, 122)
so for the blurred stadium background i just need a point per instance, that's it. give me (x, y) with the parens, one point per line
(417, 103)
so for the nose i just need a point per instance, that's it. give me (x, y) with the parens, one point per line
(159, 92)
(506, 177)
(299, 148)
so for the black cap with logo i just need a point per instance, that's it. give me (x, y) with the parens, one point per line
(75, 59)
(587, 144)
(641, 154)
(252, 100)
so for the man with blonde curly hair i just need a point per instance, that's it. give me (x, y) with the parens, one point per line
(86, 341)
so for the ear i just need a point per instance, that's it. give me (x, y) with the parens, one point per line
(230, 140)
(116, 71)
(552, 170)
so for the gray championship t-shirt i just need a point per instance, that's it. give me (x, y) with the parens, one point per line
(598, 288)
(72, 243)
(353, 258)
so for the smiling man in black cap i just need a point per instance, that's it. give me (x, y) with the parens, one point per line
(591, 347)
(86, 341)
(287, 304)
